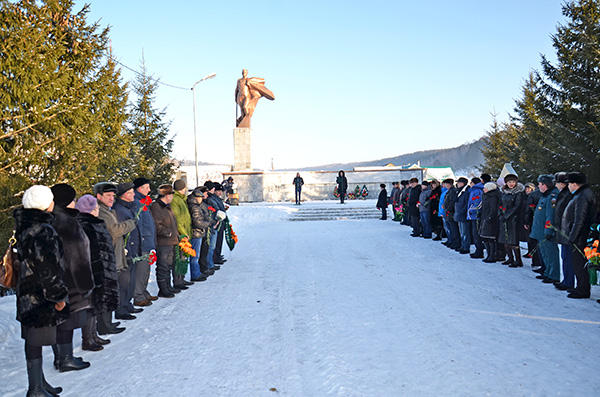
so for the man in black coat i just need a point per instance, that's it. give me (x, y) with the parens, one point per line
(577, 219)
(563, 199)
(413, 210)
(382, 202)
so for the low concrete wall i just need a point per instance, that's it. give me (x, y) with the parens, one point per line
(275, 186)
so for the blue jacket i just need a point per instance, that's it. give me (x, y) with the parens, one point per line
(146, 225)
(440, 207)
(462, 204)
(544, 212)
(124, 211)
(475, 196)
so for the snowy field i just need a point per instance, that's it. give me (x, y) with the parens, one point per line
(343, 308)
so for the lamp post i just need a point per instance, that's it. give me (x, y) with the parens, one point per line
(210, 76)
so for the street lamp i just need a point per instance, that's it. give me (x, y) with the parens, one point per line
(210, 76)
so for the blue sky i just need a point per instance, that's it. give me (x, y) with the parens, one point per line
(353, 80)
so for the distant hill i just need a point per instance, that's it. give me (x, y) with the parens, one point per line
(463, 157)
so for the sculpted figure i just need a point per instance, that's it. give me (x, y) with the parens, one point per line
(247, 93)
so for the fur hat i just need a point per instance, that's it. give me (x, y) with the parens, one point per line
(140, 182)
(486, 178)
(546, 179)
(425, 183)
(490, 186)
(165, 189)
(511, 177)
(218, 187)
(179, 184)
(463, 180)
(123, 188)
(562, 177)
(104, 187)
(63, 194)
(577, 177)
(530, 185)
(38, 197)
(199, 191)
(449, 181)
(86, 204)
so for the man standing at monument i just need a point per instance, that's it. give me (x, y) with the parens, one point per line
(298, 182)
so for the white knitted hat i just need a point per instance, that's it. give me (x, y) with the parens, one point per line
(490, 186)
(38, 197)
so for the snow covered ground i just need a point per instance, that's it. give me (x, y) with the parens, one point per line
(344, 308)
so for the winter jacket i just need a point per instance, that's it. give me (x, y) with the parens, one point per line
(510, 213)
(182, 214)
(433, 203)
(105, 297)
(342, 183)
(441, 210)
(563, 199)
(475, 197)
(396, 193)
(40, 282)
(413, 199)
(530, 205)
(382, 201)
(124, 211)
(488, 215)
(424, 199)
(579, 216)
(544, 214)
(298, 182)
(449, 202)
(145, 224)
(166, 224)
(78, 265)
(462, 204)
(201, 217)
(117, 231)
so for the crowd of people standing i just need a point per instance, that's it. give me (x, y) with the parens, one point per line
(86, 259)
(497, 216)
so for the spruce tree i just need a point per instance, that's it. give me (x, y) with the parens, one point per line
(61, 103)
(151, 148)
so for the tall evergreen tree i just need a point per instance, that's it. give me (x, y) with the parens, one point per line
(62, 106)
(151, 148)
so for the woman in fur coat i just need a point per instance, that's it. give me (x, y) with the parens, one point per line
(78, 275)
(105, 297)
(41, 291)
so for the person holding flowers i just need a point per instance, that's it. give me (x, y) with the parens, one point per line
(184, 227)
(141, 296)
(576, 222)
(544, 231)
(167, 239)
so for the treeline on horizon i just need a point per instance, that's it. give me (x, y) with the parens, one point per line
(556, 122)
(65, 113)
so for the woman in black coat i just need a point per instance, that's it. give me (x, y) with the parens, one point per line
(382, 202)
(488, 220)
(433, 203)
(41, 292)
(105, 297)
(511, 214)
(342, 185)
(78, 275)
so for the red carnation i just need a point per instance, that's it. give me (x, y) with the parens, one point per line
(144, 208)
(548, 225)
(211, 209)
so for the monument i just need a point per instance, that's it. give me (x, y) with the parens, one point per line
(247, 93)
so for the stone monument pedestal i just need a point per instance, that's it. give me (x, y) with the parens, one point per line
(241, 149)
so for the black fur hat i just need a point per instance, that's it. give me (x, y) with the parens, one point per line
(577, 177)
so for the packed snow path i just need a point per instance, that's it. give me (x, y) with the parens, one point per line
(344, 308)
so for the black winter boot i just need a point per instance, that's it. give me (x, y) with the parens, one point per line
(55, 391)
(163, 289)
(518, 261)
(511, 258)
(35, 379)
(487, 258)
(492, 254)
(66, 361)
